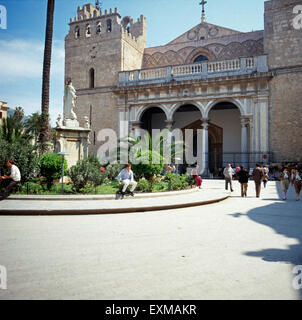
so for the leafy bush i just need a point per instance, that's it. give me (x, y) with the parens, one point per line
(144, 185)
(84, 172)
(112, 171)
(177, 182)
(32, 188)
(148, 169)
(51, 168)
(24, 155)
(159, 186)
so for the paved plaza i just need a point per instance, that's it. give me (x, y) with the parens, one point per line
(240, 248)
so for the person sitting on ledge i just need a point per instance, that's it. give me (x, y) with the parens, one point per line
(13, 179)
(126, 177)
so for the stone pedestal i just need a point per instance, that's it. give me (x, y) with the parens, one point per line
(74, 141)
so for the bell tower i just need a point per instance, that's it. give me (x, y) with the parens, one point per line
(283, 44)
(98, 46)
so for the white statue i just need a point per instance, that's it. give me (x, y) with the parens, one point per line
(69, 101)
(59, 121)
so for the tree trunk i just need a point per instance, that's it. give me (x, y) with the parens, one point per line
(45, 129)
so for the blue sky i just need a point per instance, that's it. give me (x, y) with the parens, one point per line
(21, 45)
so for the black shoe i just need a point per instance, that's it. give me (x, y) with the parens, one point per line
(123, 194)
(131, 193)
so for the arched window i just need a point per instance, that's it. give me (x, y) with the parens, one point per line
(77, 32)
(99, 28)
(200, 59)
(88, 30)
(109, 25)
(91, 78)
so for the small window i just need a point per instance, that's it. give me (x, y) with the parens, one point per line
(109, 25)
(88, 30)
(91, 78)
(200, 59)
(99, 28)
(77, 32)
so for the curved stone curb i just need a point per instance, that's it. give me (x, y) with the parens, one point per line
(97, 197)
(93, 211)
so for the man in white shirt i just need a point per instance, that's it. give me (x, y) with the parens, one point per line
(228, 176)
(126, 177)
(14, 179)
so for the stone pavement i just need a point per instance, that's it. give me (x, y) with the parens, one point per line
(241, 248)
(30, 205)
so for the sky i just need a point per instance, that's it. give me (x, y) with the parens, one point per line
(22, 43)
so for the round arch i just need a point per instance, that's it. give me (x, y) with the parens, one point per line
(143, 109)
(212, 104)
(175, 107)
(200, 52)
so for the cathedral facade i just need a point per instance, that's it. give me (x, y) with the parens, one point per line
(243, 90)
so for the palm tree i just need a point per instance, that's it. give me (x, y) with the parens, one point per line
(45, 129)
(33, 126)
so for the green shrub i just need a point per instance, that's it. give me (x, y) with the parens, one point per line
(32, 188)
(51, 168)
(144, 185)
(177, 182)
(84, 172)
(112, 171)
(148, 169)
(24, 155)
(159, 186)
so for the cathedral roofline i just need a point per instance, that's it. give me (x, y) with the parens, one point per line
(240, 37)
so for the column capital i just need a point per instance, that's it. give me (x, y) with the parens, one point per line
(169, 124)
(246, 121)
(205, 122)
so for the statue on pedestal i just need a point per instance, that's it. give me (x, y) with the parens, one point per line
(69, 101)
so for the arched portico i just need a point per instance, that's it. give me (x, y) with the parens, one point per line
(233, 122)
(176, 106)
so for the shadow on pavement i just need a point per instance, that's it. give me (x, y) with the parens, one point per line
(285, 218)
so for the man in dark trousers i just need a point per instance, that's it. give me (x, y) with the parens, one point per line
(13, 179)
(243, 177)
(257, 176)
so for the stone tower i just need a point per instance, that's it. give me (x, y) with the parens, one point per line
(98, 46)
(283, 44)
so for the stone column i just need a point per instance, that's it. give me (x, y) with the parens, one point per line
(244, 141)
(205, 127)
(205, 142)
(135, 128)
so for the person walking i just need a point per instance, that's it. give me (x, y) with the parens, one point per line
(296, 180)
(284, 181)
(257, 176)
(243, 177)
(13, 179)
(228, 176)
(265, 176)
(126, 178)
(197, 177)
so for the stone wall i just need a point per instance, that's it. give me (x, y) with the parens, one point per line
(285, 123)
(284, 47)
